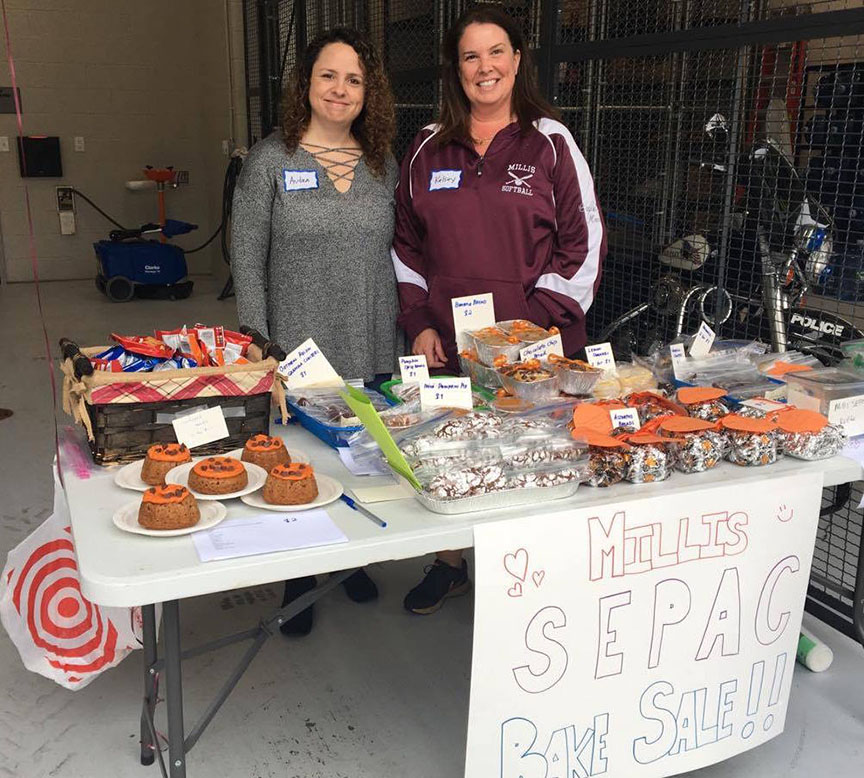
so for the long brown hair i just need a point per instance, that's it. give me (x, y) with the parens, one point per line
(527, 102)
(374, 127)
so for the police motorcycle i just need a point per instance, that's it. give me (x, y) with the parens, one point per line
(779, 246)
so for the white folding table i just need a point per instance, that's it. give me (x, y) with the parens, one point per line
(121, 569)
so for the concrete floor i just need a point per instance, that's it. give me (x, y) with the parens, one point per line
(371, 693)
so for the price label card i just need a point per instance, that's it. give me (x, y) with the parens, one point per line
(848, 412)
(625, 417)
(413, 369)
(473, 312)
(600, 356)
(446, 393)
(679, 357)
(704, 340)
(200, 427)
(542, 349)
(306, 366)
(762, 404)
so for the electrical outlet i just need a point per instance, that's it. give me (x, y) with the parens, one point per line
(78, 143)
(4, 143)
(226, 147)
(65, 199)
(181, 177)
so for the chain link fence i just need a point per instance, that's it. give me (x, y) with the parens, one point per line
(709, 126)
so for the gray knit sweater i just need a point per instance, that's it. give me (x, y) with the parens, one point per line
(309, 261)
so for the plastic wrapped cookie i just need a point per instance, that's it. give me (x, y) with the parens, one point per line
(608, 457)
(651, 458)
(698, 445)
(752, 442)
(808, 434)
(703, 402)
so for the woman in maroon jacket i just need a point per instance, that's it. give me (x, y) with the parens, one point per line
(495, 197)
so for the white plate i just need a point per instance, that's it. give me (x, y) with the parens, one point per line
(329, 490)
(126, 518)
(129, 477)
(295, 453)
(180, 475)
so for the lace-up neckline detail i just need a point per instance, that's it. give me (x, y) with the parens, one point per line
(339, 162)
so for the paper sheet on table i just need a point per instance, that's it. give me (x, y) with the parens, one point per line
(382, 493)
(375, 467)
(359, 403)
(267, 533)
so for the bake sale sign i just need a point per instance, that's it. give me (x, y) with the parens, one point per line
(648, 638)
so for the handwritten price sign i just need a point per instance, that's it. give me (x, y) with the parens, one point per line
(446, 393)
(600, 356)
(306, 366)
(646, 638)
(473, 312)
(413, 369)
(542, 349)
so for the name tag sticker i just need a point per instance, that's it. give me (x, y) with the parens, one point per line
(445, 179)
(294, 180)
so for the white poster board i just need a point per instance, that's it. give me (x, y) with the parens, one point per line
(643, 639)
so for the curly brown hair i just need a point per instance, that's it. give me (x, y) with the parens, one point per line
(375, 126)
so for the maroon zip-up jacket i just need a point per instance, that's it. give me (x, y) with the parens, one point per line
(522, 222)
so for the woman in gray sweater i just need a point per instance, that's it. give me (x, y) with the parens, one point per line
(312, 226)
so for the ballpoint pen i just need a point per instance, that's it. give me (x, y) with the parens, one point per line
(360, 509)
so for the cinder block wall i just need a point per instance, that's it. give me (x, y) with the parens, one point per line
(142, 83)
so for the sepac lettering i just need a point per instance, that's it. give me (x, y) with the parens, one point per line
(724, 621)
(538, 642)
(768, 632)
(671, 606)
(609, 664)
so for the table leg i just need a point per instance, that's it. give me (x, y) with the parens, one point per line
(148, 746)
(174, 689)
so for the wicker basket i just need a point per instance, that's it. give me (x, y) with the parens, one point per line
(125, 413)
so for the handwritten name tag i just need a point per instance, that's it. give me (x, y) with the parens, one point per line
(446, 393)
(445, 179)
(293, 180)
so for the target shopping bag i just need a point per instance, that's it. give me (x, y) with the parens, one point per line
(58, 633)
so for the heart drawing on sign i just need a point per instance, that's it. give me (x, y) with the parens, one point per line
(515, 590)
(517, 564)
(538, 576)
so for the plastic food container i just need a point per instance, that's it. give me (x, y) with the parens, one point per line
(574, 375)
(808, 435)
(834, 393)
(533, 381)
(752, 442)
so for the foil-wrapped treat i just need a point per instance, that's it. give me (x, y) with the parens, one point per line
(608, 456)
(703, 402)
(808, 435)
(752, 442)
(650, 458)
(697, 444)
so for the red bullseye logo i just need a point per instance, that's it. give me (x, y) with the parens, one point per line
(71, 631)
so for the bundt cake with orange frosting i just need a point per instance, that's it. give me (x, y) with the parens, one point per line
(292, 484)
(266, 451)
(218, 475)
(160, 459)
(168, 507)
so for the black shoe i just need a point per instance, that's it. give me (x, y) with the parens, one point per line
(301, 624)
(360, 587)
(441, 581)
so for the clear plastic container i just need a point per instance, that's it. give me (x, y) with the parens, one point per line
(837, 394)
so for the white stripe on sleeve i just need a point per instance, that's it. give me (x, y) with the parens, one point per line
(404, 274)
(581, 287)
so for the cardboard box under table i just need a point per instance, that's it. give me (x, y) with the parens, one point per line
(126, 413)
